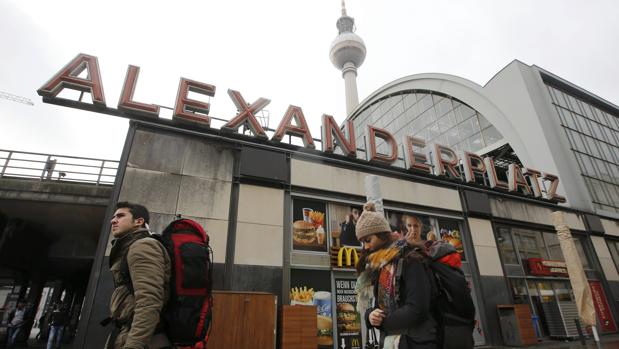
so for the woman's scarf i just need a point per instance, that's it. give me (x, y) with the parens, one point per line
(365, 290)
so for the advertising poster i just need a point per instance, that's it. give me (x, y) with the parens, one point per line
(313, 287)
(449, 231)
(601, 307)
(348, 319)
(343, 219)
(405, 224)
(308, 225)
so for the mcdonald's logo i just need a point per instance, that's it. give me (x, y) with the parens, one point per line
(350, 253)
(355, 342)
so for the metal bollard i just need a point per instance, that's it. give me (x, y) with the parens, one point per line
(581, 336)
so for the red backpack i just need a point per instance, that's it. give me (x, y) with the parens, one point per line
(187, 315)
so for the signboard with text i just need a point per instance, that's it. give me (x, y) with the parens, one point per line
(348, 319)
(542, 267)
(607, 324)
(432, 159)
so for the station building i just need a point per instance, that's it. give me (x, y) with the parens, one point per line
(255, 193)
(482, 167)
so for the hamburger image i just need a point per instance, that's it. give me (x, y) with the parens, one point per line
(347, 318)
(325, 331)
(303, 233)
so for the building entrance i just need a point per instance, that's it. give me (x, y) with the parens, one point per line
(535, 266)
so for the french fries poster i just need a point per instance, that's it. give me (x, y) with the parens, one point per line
(313, 287)
(309, 230)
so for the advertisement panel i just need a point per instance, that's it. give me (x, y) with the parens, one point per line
(308, 226)
(605, 318)
(313, 287)
(348, 319)
(343, 219)
(418, 226)
(450, 232)
(423, 227)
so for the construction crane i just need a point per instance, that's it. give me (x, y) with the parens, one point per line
(15, 98)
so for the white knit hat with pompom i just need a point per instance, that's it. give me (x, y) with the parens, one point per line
(371, 222)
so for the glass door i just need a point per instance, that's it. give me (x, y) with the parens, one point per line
(542, 299)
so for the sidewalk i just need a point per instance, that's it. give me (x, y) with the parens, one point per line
(606, 342)
(32, 343)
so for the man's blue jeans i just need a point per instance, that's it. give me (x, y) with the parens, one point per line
(55, 337)
(12, 336)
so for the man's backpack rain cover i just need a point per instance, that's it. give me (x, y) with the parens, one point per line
(188, 313)
(453, 305)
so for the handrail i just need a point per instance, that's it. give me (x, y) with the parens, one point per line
(54, 167)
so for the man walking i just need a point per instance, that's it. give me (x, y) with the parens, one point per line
(16, 321)
(59, 320)
(141, 270)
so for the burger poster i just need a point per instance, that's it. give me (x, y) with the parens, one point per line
(348, 319)
(308, 226)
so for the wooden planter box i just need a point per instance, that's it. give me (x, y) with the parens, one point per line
(516, 325)
(243, 320)
(298, 327)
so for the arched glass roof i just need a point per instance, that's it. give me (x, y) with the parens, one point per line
(432, 116)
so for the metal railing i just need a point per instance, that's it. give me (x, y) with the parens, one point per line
(52, 167)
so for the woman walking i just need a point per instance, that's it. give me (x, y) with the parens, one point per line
(395, 274)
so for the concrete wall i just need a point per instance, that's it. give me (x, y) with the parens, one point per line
(527, 212)
(610, 227)
(606, 260)
(340, 180)
(492, 283)
(176, 175)
(172, 175)
(260, 226)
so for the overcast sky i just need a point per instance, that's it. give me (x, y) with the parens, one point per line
(279, 50)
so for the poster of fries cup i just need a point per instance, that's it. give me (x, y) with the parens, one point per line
(313, 287)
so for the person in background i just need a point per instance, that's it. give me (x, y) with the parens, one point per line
(412, 228)
(17, 318)
(394, 223)
(59, 320)
(392, 272)
(48, 170)
(355, 215)
(348, 231)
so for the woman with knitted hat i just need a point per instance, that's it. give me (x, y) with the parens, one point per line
(393, 273)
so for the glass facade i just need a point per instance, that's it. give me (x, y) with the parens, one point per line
(517, 245)
(432, 117)
(548, 292)
(613, 246)
(594, 138)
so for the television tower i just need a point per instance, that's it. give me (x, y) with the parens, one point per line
(347, 54)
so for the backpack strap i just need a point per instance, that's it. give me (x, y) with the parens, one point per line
(399, 269)
(125, 275)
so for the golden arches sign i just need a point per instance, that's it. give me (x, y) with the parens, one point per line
(351, 255)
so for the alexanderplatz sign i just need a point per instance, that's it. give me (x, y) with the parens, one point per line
(445, 160)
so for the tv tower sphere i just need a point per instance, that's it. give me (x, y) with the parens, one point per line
(347, 54)
(347, 46)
